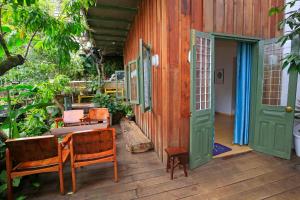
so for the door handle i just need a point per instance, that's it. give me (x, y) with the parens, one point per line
(288, 109)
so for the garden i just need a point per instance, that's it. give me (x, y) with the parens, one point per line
(44, 47)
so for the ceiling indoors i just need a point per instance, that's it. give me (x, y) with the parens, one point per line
(110, 22)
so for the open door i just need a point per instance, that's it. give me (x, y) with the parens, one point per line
(202, 98)
(275, 101)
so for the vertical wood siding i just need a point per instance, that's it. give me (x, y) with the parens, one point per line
(166, 25)
(240, 17)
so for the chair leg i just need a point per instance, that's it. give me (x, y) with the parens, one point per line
(73, 179)
(168, 164)
(185, 171)
(116, 170)
(61, 179)
(172, 167)
(9, 188)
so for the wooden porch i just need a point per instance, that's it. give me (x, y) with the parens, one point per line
(143, 176)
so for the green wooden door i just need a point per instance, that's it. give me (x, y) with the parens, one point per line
(275, 101)
(202, 98)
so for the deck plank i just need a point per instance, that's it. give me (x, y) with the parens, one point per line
(143, 176)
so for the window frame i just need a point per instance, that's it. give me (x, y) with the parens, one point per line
(142, 85)
(137, 100)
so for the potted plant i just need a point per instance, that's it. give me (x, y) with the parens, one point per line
(115, 107)
(297, 128)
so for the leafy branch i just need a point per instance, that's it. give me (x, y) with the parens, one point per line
(292, 60)
(60, 33)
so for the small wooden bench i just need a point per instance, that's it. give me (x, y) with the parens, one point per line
(176, 156)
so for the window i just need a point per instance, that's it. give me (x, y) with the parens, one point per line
(273, 85)
(133, 81)
(145, 64)
(203, 66)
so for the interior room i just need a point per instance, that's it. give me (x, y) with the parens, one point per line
(225, 98)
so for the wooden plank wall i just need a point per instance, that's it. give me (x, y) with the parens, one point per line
(150, 24)
(240, 17)
(166, 25)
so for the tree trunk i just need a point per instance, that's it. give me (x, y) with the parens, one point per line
(99, 74)
(10, 63)
(61, 107)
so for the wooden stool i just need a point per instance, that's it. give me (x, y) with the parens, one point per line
(176, 156)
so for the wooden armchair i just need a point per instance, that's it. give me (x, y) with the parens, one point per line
(35, 155)
(70, 118)
(97, 115)
(92, 147)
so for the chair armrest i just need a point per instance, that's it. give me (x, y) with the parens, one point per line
(85, 119)
(108, 121)
(57, 120)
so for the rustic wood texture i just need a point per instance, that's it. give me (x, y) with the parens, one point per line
(136, 141)
(166, 25)
(35, 155)
(143, 176)
(98, 115)
(240, 17)
(92, 147)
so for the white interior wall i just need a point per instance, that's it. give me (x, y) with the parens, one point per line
(285, 79)
(225, 51)
(287, 49)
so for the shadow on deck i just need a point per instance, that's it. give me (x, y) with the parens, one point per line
(248, 176)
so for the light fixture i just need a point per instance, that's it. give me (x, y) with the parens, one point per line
(155, 60)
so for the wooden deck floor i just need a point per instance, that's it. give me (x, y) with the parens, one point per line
(143, 176)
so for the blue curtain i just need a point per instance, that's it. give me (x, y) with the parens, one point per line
(243, 88)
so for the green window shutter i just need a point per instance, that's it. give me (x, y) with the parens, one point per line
(146, 76)
(133, 82)
(126, 86)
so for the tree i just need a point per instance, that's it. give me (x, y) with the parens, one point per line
(292, 60)
(24, 22)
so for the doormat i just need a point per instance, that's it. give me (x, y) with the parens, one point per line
(219, 149)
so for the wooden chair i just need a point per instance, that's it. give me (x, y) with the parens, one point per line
(71, 118)
(35, 155)
(97, 115)
(92, 147)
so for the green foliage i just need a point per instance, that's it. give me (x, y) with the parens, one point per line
(113, 105)
(41, 67)
(24, 20)
(112, 64)
(3, 183)
(292, 60)
(27, 112)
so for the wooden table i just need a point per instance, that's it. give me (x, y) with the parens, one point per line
(66, 130)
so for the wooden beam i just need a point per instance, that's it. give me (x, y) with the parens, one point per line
(97, 27)
(109, 35)
(117, 40)
(110, 19)
(109, 41)
(115, 7)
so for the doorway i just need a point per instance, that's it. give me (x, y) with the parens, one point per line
(271, 124)
(225, 98)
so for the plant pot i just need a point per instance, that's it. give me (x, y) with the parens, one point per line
(297, 139)
(131, 117)
(116, 118)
